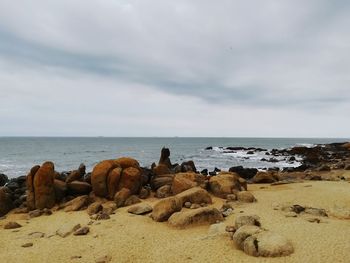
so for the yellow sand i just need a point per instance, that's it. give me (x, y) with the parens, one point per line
(131, 238)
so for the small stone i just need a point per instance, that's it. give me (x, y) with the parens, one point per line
(252, 220)
(291, 214)
(246, 197)
(36, 235)
(75, 257)
(195, 206)
(314, 220)
(35, 213)
(47, 212)
(230, 229)
(66, 229)
(100, 216)
(187, 204)
(27, 245)
(82, 231)
(231, 197)
(12, 225)
(103, 259)
(94, 208)
(227, 212)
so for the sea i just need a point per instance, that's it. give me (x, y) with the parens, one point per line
(19, 154)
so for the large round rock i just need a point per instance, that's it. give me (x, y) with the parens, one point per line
(99, 177)
(44, 191)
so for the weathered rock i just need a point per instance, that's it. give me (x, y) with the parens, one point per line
(29, 244)
(76, 175)
(121, 196)
(316, 211)
(225, 183)
(60, 189)
(184, 181)
(3, 179)
(243, 233)
(245, 196)
(113, 181)
(218, 229)
(76, 204)
(41, 187)
(94, 208)
(82, 231)
(35, 213)
(187, 204)
(204, 215)
(130, 179)
(133, 199)
(99, 176)
(246, 173)
(252, 220)
(140, 209)
(126, 162)
(109, 207)
(158, 181)
(66, 229)
(164, 208)
(188, 167)
(196, 195)
(144, 193)
(163, 191)
(79, 188)
(265, 178)
(12, 225)
(6, 203)
(267, 244)
(161, 169)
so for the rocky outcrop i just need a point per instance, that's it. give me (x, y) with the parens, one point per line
(226, 183)
(40, 187)
(165, 208)
(265, 178)
(110, 176)
(76, 175)
(6, 203)
(200, 216)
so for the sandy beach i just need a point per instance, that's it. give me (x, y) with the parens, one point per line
(134, 238)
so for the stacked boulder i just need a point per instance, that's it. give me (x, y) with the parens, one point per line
(226, 183)
(111, 177)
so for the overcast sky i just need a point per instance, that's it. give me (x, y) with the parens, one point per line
(175, 68)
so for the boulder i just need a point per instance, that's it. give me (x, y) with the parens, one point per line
(251, 220)
(265, 178)
(113, 181)
(82, 231)
(140, 209)
(245, 196)
(196, 195)
(267, 244)
(161, 180)
(121, 196)
(130, 179)
(126, 162)
(99, 177)
(6, 203)
(109, 207)
(184, 181)
(243, 233)
(163, 191)
(133, 199)
(200, 216)
(161, 169)
(226, 183)
(60, 188)
(246, 173)
(145, 192)
(79, 188)
(188, 167)
(12, 225)
(76, 175)
(43, 184)
(3, 179)
(94, 208)
(164, 208)
(77, 203)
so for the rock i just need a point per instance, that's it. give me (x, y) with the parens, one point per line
(130, 179)
(204, 215)
(161, 169)
(113, 180)
(188, 167)
(313, 220)
(297, 209)
(218, 229)
(6, 203)
(246, 197)
(158, 181)
(109, 207)
(30, 244)
(267, 244)
(126, 162)
(227, 212)
(195, 206)
(252, 220)
(246, 173)
(324, 168)
(60, 189)
(35, 213)
(12, 225)
(76, 175)
(79, 188)
(163, 191)
(66, 229)
(36, 235)
(104, 259)
(144, 193)
(184, 181)
(82, 231)
(94, 208)
(265, 178)
(3, 179)
(140, 209)
(133, 199)
(99, 176)
(230, 229)
(243, 233)
(164, 208)
(225, 182)
(41, 186)
(196, 195)
(76, 204)
(187, 204)
(316, 211)
(121, 196)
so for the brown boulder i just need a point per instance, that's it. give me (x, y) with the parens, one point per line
(196, 195)
(121, 196)
(126, 162)
(163, 209)
(113, 181)
(76, 175)
(76, 204)
(99, 177)
(161, 169)
(226, 183)
(6, 203)
(200, 216)
(94, 208)
(130, 179)
(79, 188)
(163, 191)
(60, 189)
(184, 181)
(158, 181)
(30, 187)
(265, 178)
(43, 183)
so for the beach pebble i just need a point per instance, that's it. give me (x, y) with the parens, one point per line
(36, 235)
(82, 231)
(187, 204)
(12, 225)
(227, 212)
(140, 209)
(103, 259)
(291, 214)
(27, 245)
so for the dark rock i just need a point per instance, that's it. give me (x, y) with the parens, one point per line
(209, 148)
(82, 231)
(204, 172)
(6, 203)
(246, 173)
(164, 191)
(145, 192)
(188, 167)
(121, 196)
(79, 188)
(297, 209)
(3, 179)
(132, 200)
(12, 225)
(27, 244)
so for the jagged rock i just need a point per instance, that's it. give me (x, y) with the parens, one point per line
(140, 209)
(245, 196)
(196, 195)
(188, 166)
(252, 220)
(12, 225)
(76, 204)
(6, 203)
(35, 213)
(163, 191)
(164, 208)
(204, 215)
(109, 207)
(246, 173)
(3, 179)
(225, 183)
(184, 181)
(76, 175)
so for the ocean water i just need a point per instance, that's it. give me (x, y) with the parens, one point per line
(19, 154)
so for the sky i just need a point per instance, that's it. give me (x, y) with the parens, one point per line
(224, 68)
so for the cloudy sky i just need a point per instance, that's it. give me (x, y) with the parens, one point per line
(175, 68)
